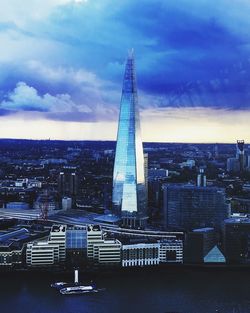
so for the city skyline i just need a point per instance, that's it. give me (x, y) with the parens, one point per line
(192, 63)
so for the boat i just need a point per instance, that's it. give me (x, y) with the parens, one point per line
(75, 290)
(58, 285)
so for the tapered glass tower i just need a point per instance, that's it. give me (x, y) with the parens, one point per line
(129, 189)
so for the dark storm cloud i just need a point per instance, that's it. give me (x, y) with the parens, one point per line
(187, 54)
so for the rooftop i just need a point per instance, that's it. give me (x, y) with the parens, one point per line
(107, 218)
(94, 228)
(18, 234)
(237, 220)
(203, 230)
(58, 228)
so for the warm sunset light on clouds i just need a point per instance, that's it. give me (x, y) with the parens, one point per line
(170, 125)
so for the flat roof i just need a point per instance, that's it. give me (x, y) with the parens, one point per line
(18, 234)
(107, 218)
(238, 220)
(58, 228)
(203, 230)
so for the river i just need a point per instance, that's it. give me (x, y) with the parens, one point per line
(183, 290)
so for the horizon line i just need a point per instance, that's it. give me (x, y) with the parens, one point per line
(110, 140)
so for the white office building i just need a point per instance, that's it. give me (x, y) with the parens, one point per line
(58, 237)
(48, 252)
(171, 251)
(94, 236)
(142, 254)
(108, 252)
(42, 253)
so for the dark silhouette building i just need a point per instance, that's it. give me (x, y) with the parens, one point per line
(67, 182)
(187, 207)
(198, 243)
(236, 235)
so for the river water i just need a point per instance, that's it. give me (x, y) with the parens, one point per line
(172, 290)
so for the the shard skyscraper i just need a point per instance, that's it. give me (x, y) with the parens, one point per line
(129, 189)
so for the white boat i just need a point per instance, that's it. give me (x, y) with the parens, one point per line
(75, 288)
(59, 284)
(78, 290)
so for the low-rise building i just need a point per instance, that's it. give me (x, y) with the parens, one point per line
(171, 251)
(11, 250)
(58, 236)
(13, 242)
(236, 240)
(66, 203)
(198, 243)
(17, 205)
(49, 252)
(108, 252)
(141, 254)
(94, 236)
(46, 202)
(42, 253)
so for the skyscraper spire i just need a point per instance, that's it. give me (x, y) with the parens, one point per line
(129, 191)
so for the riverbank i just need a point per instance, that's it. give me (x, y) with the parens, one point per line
(102, 271)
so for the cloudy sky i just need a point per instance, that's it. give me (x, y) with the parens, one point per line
(62, 63)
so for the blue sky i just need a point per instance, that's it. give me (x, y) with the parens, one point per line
(62, 62)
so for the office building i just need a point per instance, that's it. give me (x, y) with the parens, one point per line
(236, 239)
(141, 254)
(100, 250)
(11, 249)
(240, 154)
(129, 187)
(58, 237)
(146, 176)
(68, 181)
(45, 203)
(187, 207)
(201, 178)
(42, 253)
(171, 251)
(157, 173)
(13, 242)
(240, 162)
(107, 252)
(94, 236)
(66, 203)
(198, 244)
(76, 245)
(48, 252)
(76, 238)
(155, 193)
(233, 165)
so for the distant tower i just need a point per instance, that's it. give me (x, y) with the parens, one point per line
(240, 153)
(201, 178)
(216, 150)
(146, 174)
(43, 205)
(67, 181)
(129, 188)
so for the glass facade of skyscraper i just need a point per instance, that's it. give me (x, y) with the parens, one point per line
(129, 192)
